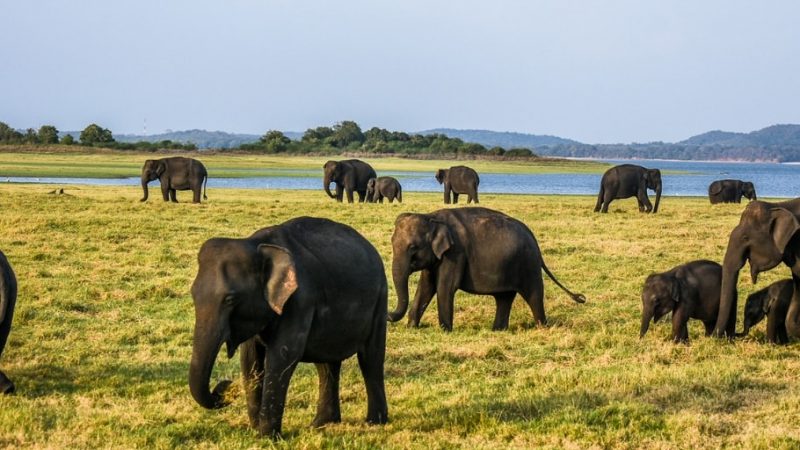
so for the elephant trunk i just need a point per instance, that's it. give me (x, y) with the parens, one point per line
(400, 273)
(145, 180)
(734, 260)
(746, 330)
(207, 341)
(326, 183)
(658, 197)
(647, 316)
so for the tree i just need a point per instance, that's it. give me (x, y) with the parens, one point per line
(48, 134)
(68, 140)
(31, 137)
(275, 141)
(345, 133)
(317, 134)
(9, 135)
(95, 134)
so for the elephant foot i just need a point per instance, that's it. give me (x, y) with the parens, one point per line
(267, 431)
(381, 418)
(6, 386)
(324, 419)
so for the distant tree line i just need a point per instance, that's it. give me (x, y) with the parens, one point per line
(92, 136)
(347, 136)
(678, 151)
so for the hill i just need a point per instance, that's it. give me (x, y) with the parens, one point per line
(505, 139)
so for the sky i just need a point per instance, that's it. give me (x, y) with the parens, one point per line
(604, 71)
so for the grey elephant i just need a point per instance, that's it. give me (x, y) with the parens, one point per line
(771, 302)
(8, 300)
(176, 174)
(731, 191)
(459, 180)
(384, 187)
(350, 176)
(629, 180)
(765, 237)
(289, 294)
(476, 250)
(688, 291)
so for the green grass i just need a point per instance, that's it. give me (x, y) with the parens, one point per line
(15, 162)
(101, 341)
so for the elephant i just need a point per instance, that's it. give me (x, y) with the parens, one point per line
(349, 175)
(477, 250)
(764, 237)
(384, 187)
(8, 300)
(176, 174)
(289, 294)
(628, 180)
(459, 180)
(772, 302)
(688, 291)
(730, 191)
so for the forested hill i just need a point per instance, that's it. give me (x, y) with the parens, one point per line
(201, 138)
(505, 139)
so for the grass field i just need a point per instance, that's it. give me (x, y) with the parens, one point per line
(101, 341)
(20, 161)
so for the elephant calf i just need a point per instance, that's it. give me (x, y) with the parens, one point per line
(731, 191)
(289, 294)
(8, 299)
(459, 180)
(771, 302)
(690, 290)
(384, 187)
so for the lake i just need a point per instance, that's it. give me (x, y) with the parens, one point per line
(688, 178)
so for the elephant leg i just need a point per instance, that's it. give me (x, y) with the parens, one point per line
(501, 316)
(361, 196)
(196, 194)
(446, 194)
(680, 332)
(709, 325)
(6, 386)
(165, 190)
(328, 404)
(370, 361)
(455, 198)
(278, 372)
(644, 201)
(599, 203)
(425, 291)
(782, 335)
(339, 192)
(380, 199)
(609, 196)
(445, 295)
(475, 197)
(534, 297)
(349, 192)
(251, 358)
(173, 195)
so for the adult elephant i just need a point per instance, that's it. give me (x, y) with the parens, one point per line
(176, 174)
(8, 299)
(764, 237)
(350, 176)
(459, 180)
(289, 294)
(477, 250)
(730, 191)
(629, 180)
(384, 187)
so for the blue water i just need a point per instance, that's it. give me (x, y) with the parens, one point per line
(771, 180)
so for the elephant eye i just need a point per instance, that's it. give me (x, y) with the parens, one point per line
(229, 299)
(412, 247)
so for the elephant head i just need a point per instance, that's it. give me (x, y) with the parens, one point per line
(761, 238)
(755, 309)
(333, 173)
(371, 194)
(653, 181)
(440, 175)
(240, 289)
(660, 296)
(152, 170)
(749, 190)
(418, 243)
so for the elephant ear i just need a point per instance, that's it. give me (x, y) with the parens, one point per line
(783, 226)
(161, 167)
(441, 240)
(715, 188)
(440, 176)
(676, 289)
(281, 276)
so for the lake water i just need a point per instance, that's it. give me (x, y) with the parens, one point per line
(771, 180)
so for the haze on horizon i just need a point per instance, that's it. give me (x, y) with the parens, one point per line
(595, 71)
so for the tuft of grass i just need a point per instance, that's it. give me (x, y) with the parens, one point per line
(101, 341)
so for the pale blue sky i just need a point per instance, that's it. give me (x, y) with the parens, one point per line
(596, 71)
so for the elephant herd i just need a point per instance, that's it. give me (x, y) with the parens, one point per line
(281, 296)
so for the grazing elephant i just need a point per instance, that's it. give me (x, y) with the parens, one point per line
(628, 180)
(176, 174)
(349, 175)
(459, 180)
(688, 291)
(289, 294)
(384, 187)
(765, 236)
(477, 250)
(772, 302)
(730, 191)
(8, 299)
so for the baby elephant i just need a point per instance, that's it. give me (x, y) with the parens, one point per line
(690, 290)
(8, 299)
(384, 187)
(772, 302)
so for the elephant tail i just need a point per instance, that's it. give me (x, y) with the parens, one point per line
(205, 187)
(578, 298)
